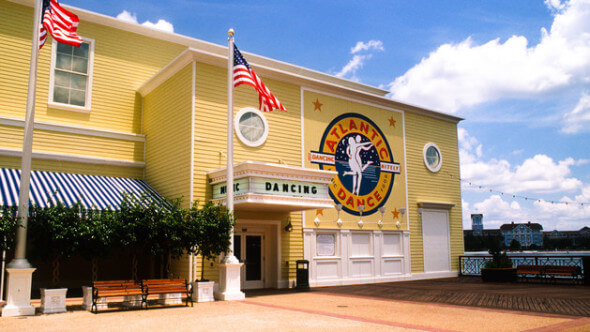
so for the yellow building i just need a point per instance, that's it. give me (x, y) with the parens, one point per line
(369, 186)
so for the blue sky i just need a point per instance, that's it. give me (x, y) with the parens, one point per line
(517, 71)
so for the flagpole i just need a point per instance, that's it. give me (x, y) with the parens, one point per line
(20, 260)
(20, 271)
(230, 257)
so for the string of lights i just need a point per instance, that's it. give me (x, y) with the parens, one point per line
(515, 196)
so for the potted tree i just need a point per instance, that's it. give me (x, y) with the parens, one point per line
(55, 233)
(96, 232)
(499, 269)
(207, 233)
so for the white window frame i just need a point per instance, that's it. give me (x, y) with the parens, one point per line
(87, 101)
(430, 168)
(243, 139)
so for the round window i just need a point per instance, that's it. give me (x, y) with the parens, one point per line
(251, 126)
(432, 157)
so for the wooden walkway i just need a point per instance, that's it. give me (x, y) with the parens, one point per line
(563, 299)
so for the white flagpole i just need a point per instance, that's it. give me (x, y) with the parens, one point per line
(20, 260)
(20, 271)
(230, 257)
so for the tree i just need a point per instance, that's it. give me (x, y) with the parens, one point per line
(56, 233)
(514, 245)
(96, 230)
(207, 232)
(8, 222)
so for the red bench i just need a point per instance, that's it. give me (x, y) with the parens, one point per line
(117, 288)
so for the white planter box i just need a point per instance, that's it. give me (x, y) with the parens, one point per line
(132, 301)
(53, 300)
(203, 291)
(170, 298)
(101, 302)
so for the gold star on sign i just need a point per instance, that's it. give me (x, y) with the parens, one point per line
(392, 122)
(319, 212)
(317, 105)
(395, 213)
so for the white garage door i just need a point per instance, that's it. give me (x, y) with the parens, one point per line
(435, 234)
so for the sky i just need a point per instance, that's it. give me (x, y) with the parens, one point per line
(518, 72)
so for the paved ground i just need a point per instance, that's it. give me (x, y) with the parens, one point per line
(322, 309)
(566, 298)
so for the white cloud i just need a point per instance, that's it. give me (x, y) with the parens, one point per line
(371, 44)
(358, 60)
(536, 177)
(465, 74)
(162, 25)
(353, 65)
(539, 174)
(579, 118)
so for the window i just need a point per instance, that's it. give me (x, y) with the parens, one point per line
(325, 244)
(251, 127)
(432, 157)
(71, 76)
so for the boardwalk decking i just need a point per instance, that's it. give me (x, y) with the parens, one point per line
(563, 299)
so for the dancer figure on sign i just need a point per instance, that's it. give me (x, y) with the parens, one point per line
(353, 150)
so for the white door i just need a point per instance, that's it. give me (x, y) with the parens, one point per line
(248, 248)
(435, 234)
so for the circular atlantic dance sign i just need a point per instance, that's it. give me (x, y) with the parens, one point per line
(356, 148)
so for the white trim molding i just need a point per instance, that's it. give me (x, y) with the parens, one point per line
(70, 129)
(74, 158)
(435, 205)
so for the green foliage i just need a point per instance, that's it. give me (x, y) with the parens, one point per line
(514, 245)
(483, 242)
(150, 227)
(8, 223)
(96, 230)
(55, 230)
(208, 231)
(499, 260)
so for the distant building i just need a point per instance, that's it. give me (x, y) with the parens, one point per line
(576, 238)
(526, 234)
(477, 224)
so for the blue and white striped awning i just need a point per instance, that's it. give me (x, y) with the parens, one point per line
(91, 191)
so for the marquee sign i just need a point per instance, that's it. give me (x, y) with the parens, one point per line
(356, 148)
(267, 186)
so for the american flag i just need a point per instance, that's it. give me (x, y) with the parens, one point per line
(243, 74)
(60, 23)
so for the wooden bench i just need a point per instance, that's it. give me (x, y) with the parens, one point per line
(536, 270)
(117, 288)
(566, 271)
(168, 286)
(549, 271)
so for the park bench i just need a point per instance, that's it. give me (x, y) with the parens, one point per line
(549, 271)
(560, 270)
(536, 270)
(128, 289)
(168, 286)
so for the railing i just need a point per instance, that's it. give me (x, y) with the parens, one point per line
(470, 265)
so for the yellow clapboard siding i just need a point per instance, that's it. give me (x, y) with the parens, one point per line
(283, 142)
(423, 185)
(123, 61)
(167, 126)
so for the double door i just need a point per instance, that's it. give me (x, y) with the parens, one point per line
(249, 249)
